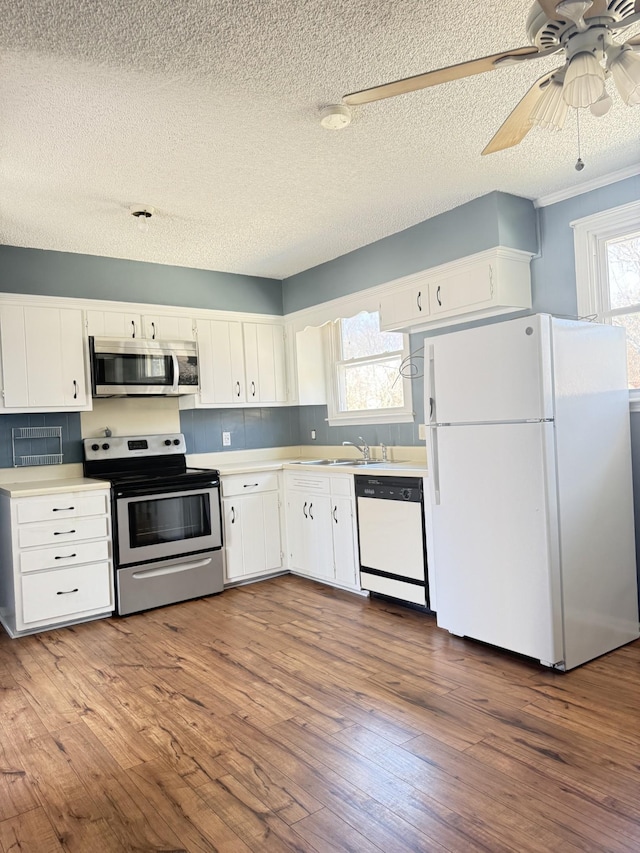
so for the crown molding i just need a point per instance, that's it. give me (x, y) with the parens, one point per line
(596, 183)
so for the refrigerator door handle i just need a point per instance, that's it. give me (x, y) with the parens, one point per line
(434, 466)
(432, 435)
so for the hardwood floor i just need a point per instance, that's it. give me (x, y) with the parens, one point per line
(288, 716)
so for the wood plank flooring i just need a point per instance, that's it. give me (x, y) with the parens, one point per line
(289, 716)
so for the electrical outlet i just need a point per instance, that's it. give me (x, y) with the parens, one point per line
(226, 439)
(422, 432)
(313, 435)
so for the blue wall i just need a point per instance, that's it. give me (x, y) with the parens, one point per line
(492, 220)
(91, 277)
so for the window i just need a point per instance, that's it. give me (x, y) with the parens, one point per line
(366, 385)
(608, 277)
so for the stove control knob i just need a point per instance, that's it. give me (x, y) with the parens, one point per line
(167, 441)
(95, 447)
(176, 441)
(105, 446)
(406, 494)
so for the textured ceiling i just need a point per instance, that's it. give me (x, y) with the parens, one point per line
(208, 111)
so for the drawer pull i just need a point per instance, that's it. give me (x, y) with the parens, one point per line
(67, 591)
(63, 532)
(250, 485)
(62, 508)
(66, 557)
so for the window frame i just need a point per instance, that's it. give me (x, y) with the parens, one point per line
(337, 417)
(590, 235)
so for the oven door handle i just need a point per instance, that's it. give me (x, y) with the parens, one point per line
(143, 574)
(168, 491)
(176, 373)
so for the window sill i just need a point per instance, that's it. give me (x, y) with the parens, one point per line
(359, 418)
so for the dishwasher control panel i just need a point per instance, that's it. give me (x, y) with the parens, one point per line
(389, 488)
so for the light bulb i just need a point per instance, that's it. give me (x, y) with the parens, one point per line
(626, 74)
(142, 216)
(551, 109)
(584, 80)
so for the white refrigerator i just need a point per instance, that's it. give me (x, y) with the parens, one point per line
(529, 457)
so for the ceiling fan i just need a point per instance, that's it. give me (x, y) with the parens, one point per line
(582, 30)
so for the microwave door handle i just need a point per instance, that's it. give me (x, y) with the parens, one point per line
(176, 373)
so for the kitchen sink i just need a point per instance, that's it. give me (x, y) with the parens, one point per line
(335, 462)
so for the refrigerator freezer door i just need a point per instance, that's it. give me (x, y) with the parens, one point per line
(500, 372)
(495, 537)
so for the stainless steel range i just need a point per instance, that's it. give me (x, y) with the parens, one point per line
(167, 529)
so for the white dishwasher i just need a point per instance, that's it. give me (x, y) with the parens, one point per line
(391, 534)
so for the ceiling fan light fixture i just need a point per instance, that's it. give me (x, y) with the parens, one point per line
(551, 110)
(584, 80)
(625, 68)
(602, 105)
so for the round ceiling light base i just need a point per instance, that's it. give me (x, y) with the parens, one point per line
(335, 117)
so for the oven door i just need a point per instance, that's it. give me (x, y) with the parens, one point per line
(166, 524)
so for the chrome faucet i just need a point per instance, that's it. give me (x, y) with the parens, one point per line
(364, 449)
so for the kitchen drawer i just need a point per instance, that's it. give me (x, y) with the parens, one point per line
(55, 558)
(51, 596)
(61, 506)
(307, 482)
(63, 531)
(342, 486)
(248, 484)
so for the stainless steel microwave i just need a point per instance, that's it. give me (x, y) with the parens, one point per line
(134, 367)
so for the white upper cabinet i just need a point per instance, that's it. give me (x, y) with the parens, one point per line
(43, 359)
(264, 363)
(167, 328)
(125, 324)
(220, 362)
(114, 324)
(493, 282)
(240, 363)
(405, 306)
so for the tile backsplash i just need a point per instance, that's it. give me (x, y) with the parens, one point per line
(71, 437)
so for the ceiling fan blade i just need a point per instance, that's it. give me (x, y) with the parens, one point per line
(633, 41)
(518, 123)
(434, 78)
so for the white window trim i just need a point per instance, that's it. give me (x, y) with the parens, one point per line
(590, 235)
(400, 415)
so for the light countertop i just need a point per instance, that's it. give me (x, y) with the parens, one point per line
(401, 469)
(31, 488)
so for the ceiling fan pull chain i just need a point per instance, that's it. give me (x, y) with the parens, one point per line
(579, 163)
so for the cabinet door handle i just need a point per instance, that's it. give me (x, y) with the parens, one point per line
(419, 300)
(75, 390)
(250, 485)
(66, 591)
(238, 389)
(66, 557)
(310, 514)
(62, 508)
(63, 532)
(253, 389)
(335, 510)
(304, 510)
(153, 334)
(438, 296)
(133, 328)
(233, 515)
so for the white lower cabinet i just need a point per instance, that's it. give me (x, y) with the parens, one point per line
(321, 527)
(252, 525)
(55, 559)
